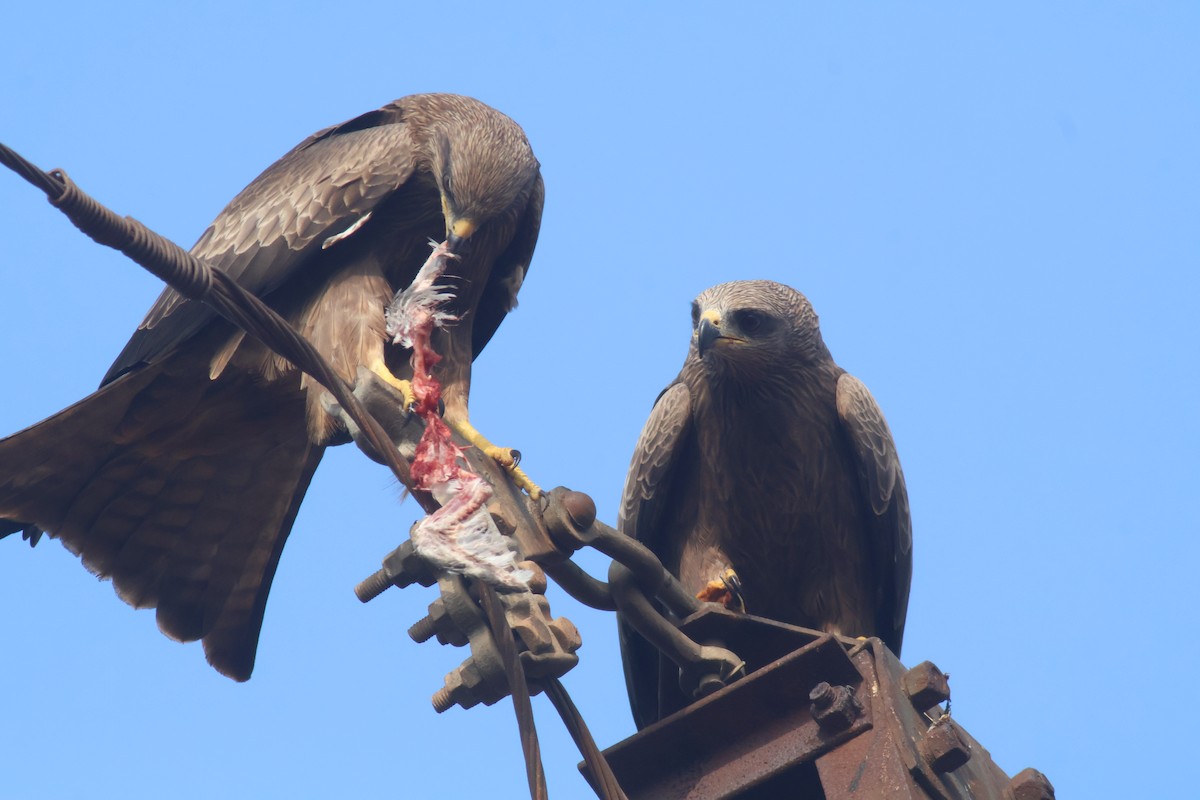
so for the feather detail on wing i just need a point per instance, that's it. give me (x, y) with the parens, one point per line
(644, 500)
(883, 487)
(324, 188)
(662, 437)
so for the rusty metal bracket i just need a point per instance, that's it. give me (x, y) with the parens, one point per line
(750, 734)
(455, 618)
(831, 718)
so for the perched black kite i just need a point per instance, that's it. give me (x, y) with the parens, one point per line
(767, 458)
(181, 476)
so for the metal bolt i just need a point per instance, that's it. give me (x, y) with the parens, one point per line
(442, 701)
(452, 693)
(1029, 784)
(462, 688)
(943, 747)
(437, 623)
(580, 508)
(422, 630)
(926, 686)
(402, 567)
(833, 707)
(373, 586)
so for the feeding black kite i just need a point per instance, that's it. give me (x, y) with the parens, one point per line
(181, 476)
(767, 458)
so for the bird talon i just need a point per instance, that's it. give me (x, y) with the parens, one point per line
(506, 457)
(509, 459)
(523, 481)
(726, 590)
(404, 387)
(501, 455)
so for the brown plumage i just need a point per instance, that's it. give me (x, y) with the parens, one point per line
(181, 476)
(765, 456)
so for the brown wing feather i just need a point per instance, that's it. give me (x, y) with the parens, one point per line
(186, 507)
(269, 230)
(647, 490)
(883, 487)
(657, 448)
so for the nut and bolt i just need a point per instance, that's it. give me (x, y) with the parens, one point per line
(943, 747)
(926, 686)
(437, 623)
(464, 687)
(580, 508)
(402, 567)
(373, 586)
(1029, 784)
(833, 707)
(568, 516)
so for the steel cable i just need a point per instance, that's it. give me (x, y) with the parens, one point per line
(519, 689)
(604, 781)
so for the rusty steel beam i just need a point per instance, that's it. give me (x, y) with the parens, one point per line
(748, 735)
(834, 719)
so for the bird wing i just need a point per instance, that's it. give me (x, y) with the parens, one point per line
(647, 487)
(655, 454)
(509, 271)
(323, 187)
(883, 487)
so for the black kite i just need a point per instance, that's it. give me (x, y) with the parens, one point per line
(766, 457)
(181, 476)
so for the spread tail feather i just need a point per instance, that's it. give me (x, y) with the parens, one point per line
(180, 489)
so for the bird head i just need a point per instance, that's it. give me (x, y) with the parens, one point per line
(484, 168)
(755, 325)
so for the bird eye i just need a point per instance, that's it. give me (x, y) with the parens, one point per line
(750, 321)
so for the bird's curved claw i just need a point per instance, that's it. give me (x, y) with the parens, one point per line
(504, 456)
(726, 590)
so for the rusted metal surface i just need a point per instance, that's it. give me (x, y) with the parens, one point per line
(549, 642)
(741, 737)
(455, 618)
(926, 686)
(867, 767)
(909, 752)
(1029, 784)
(833, 707)
(762, 737)
(943, 746)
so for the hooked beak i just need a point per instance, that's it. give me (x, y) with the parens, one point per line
(458, 234)
(708, 331)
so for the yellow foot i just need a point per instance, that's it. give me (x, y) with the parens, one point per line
(502, 455)
(402, 386)
(726, 590)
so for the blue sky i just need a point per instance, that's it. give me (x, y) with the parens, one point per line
(993, 211)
